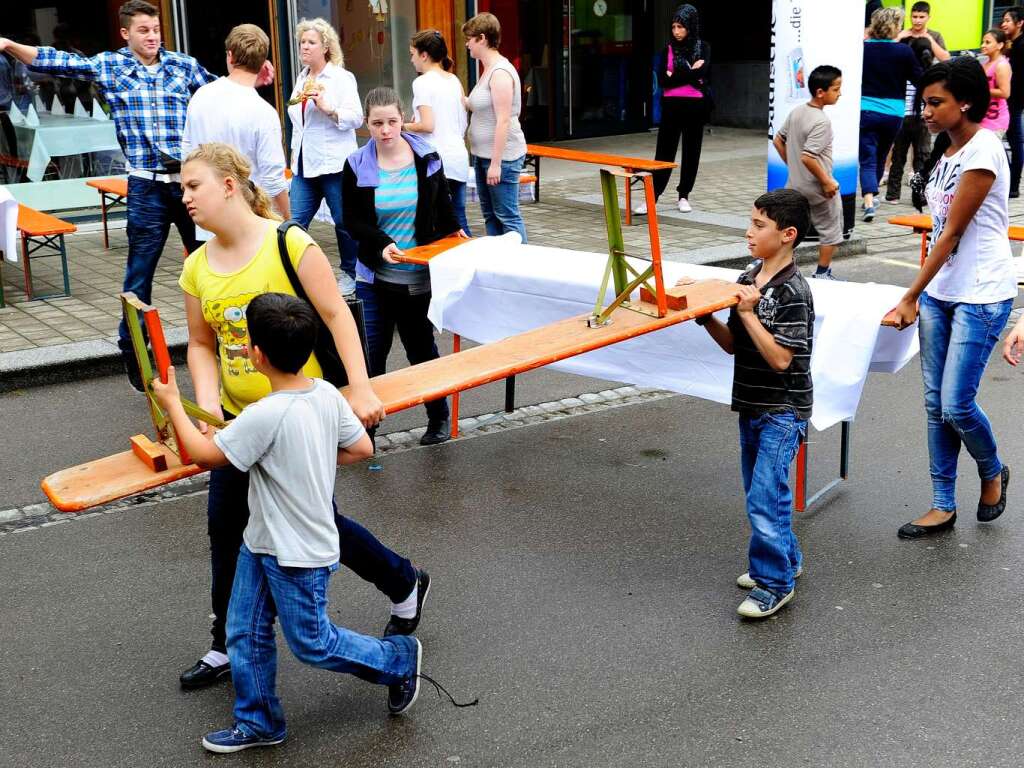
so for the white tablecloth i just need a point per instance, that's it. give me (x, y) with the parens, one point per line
(62, 135)
(8, 225)
(491, 288)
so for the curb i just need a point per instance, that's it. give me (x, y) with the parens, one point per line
(74, 362)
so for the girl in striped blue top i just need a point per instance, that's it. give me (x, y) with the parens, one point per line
(395, 196)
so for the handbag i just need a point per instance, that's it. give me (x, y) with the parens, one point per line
(324, 349)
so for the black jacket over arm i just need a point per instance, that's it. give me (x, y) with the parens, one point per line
(435, 216)
(681, 72)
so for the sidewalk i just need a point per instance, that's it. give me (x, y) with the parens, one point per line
(73, 337)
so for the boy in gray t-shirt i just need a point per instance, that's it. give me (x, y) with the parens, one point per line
(290, 442)
(804, 142)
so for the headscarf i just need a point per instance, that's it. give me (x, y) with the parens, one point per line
(688, 16)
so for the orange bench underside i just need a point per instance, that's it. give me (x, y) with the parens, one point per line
(632, 163)
(124, 474)
(110, 186)
(922, 222)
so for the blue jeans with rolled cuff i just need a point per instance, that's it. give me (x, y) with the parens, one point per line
(457, 192)
(956, 341)
(768, 445)
(305, 197)
(297, 598)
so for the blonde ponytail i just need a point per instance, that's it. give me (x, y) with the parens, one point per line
(228, 161)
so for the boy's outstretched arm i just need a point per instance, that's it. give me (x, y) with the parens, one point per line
(359, 450)
(776, 355)
(203, 451)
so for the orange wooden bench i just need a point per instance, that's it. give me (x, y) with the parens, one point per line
(41, 232)
(921, 223)
(113, 191)
(534, 153)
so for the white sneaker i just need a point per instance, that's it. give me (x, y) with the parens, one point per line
(745, 582)
(640, 210)
(760, 603)
(684, 206)
(346, 285)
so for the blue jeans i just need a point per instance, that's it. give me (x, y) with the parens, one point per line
(1015, 138)
(305, 197)
(768, 445)
(500, 204)
(152, 207)
(457, 192)
(877, 133)
(387, 306)
(297, 597)
(227, 514)
(956, 340)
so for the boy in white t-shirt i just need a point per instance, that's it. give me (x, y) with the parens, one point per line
(230, 110)
(290, 443)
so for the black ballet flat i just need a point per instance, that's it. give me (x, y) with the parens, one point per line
(989, 512)
(915, 531)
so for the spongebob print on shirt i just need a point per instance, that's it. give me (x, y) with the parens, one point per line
(227, 318)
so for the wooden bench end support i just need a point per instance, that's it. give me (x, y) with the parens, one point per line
(150, 453)
(680, 297)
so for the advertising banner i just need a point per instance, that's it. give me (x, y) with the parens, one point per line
(807, 34)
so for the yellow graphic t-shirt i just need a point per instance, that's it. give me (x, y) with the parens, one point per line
(224, 299)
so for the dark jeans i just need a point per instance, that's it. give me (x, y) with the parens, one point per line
(457, 192)
(305, 197)
(387, 306)
(681, 120)
(914, 136)
(877, 133)
(227, 513)
(152, 207)
(1015, 137)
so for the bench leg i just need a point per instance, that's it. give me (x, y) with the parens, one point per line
(629, 199)
(456, 348)
(103, 214)
(2, 302)
(510, 394)
(26, 266)
(800, 492)
(924, 246)
(64, 267)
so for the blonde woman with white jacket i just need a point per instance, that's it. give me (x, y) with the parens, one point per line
(325, 111)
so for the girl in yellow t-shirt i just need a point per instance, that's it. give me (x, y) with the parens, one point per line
(220, 279)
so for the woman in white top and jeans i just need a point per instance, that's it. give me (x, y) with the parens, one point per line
(965, 289)
(495, 136)
(440, 116)
(323, 134)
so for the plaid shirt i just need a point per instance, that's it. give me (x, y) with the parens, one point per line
(148, 109)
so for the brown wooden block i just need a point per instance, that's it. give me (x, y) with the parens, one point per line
(681, 297)
(152, 454)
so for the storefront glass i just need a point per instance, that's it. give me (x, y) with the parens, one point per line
(374, 39)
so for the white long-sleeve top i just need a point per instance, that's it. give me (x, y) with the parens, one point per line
(235, 114)
(325, 142)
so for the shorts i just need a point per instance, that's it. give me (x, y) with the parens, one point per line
(827, 218)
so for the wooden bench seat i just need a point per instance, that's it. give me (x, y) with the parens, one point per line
(41, 232)
(921, 223)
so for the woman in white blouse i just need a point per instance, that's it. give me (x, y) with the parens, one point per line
(325, 111)
(440, 116)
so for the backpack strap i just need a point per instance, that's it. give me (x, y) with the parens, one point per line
(286, 261)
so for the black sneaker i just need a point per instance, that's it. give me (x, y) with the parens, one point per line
(399, 626)
(131, 369)
(437, 432)
(403, 695)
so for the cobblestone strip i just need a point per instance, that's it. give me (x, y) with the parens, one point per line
(35, 517)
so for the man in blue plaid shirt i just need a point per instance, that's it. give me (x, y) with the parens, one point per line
(147, 89)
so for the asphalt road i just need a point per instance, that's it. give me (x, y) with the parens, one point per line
(583, 589)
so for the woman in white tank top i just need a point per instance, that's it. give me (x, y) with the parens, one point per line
(495, 136)
(439, 113)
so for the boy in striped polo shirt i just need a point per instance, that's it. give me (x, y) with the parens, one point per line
(770, 332)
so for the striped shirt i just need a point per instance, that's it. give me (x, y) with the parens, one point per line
(395, 201)
(148, 107)
(786, 310)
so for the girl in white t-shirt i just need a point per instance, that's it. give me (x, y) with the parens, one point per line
(965, 289)
(439, 114)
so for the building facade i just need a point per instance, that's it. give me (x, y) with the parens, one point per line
(585, 65)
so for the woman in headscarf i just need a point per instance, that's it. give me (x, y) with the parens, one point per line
(683, 73)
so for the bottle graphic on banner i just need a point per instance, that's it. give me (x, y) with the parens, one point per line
(807, 34)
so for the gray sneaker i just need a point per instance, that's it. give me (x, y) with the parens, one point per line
(826, 275)
(346, 284)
